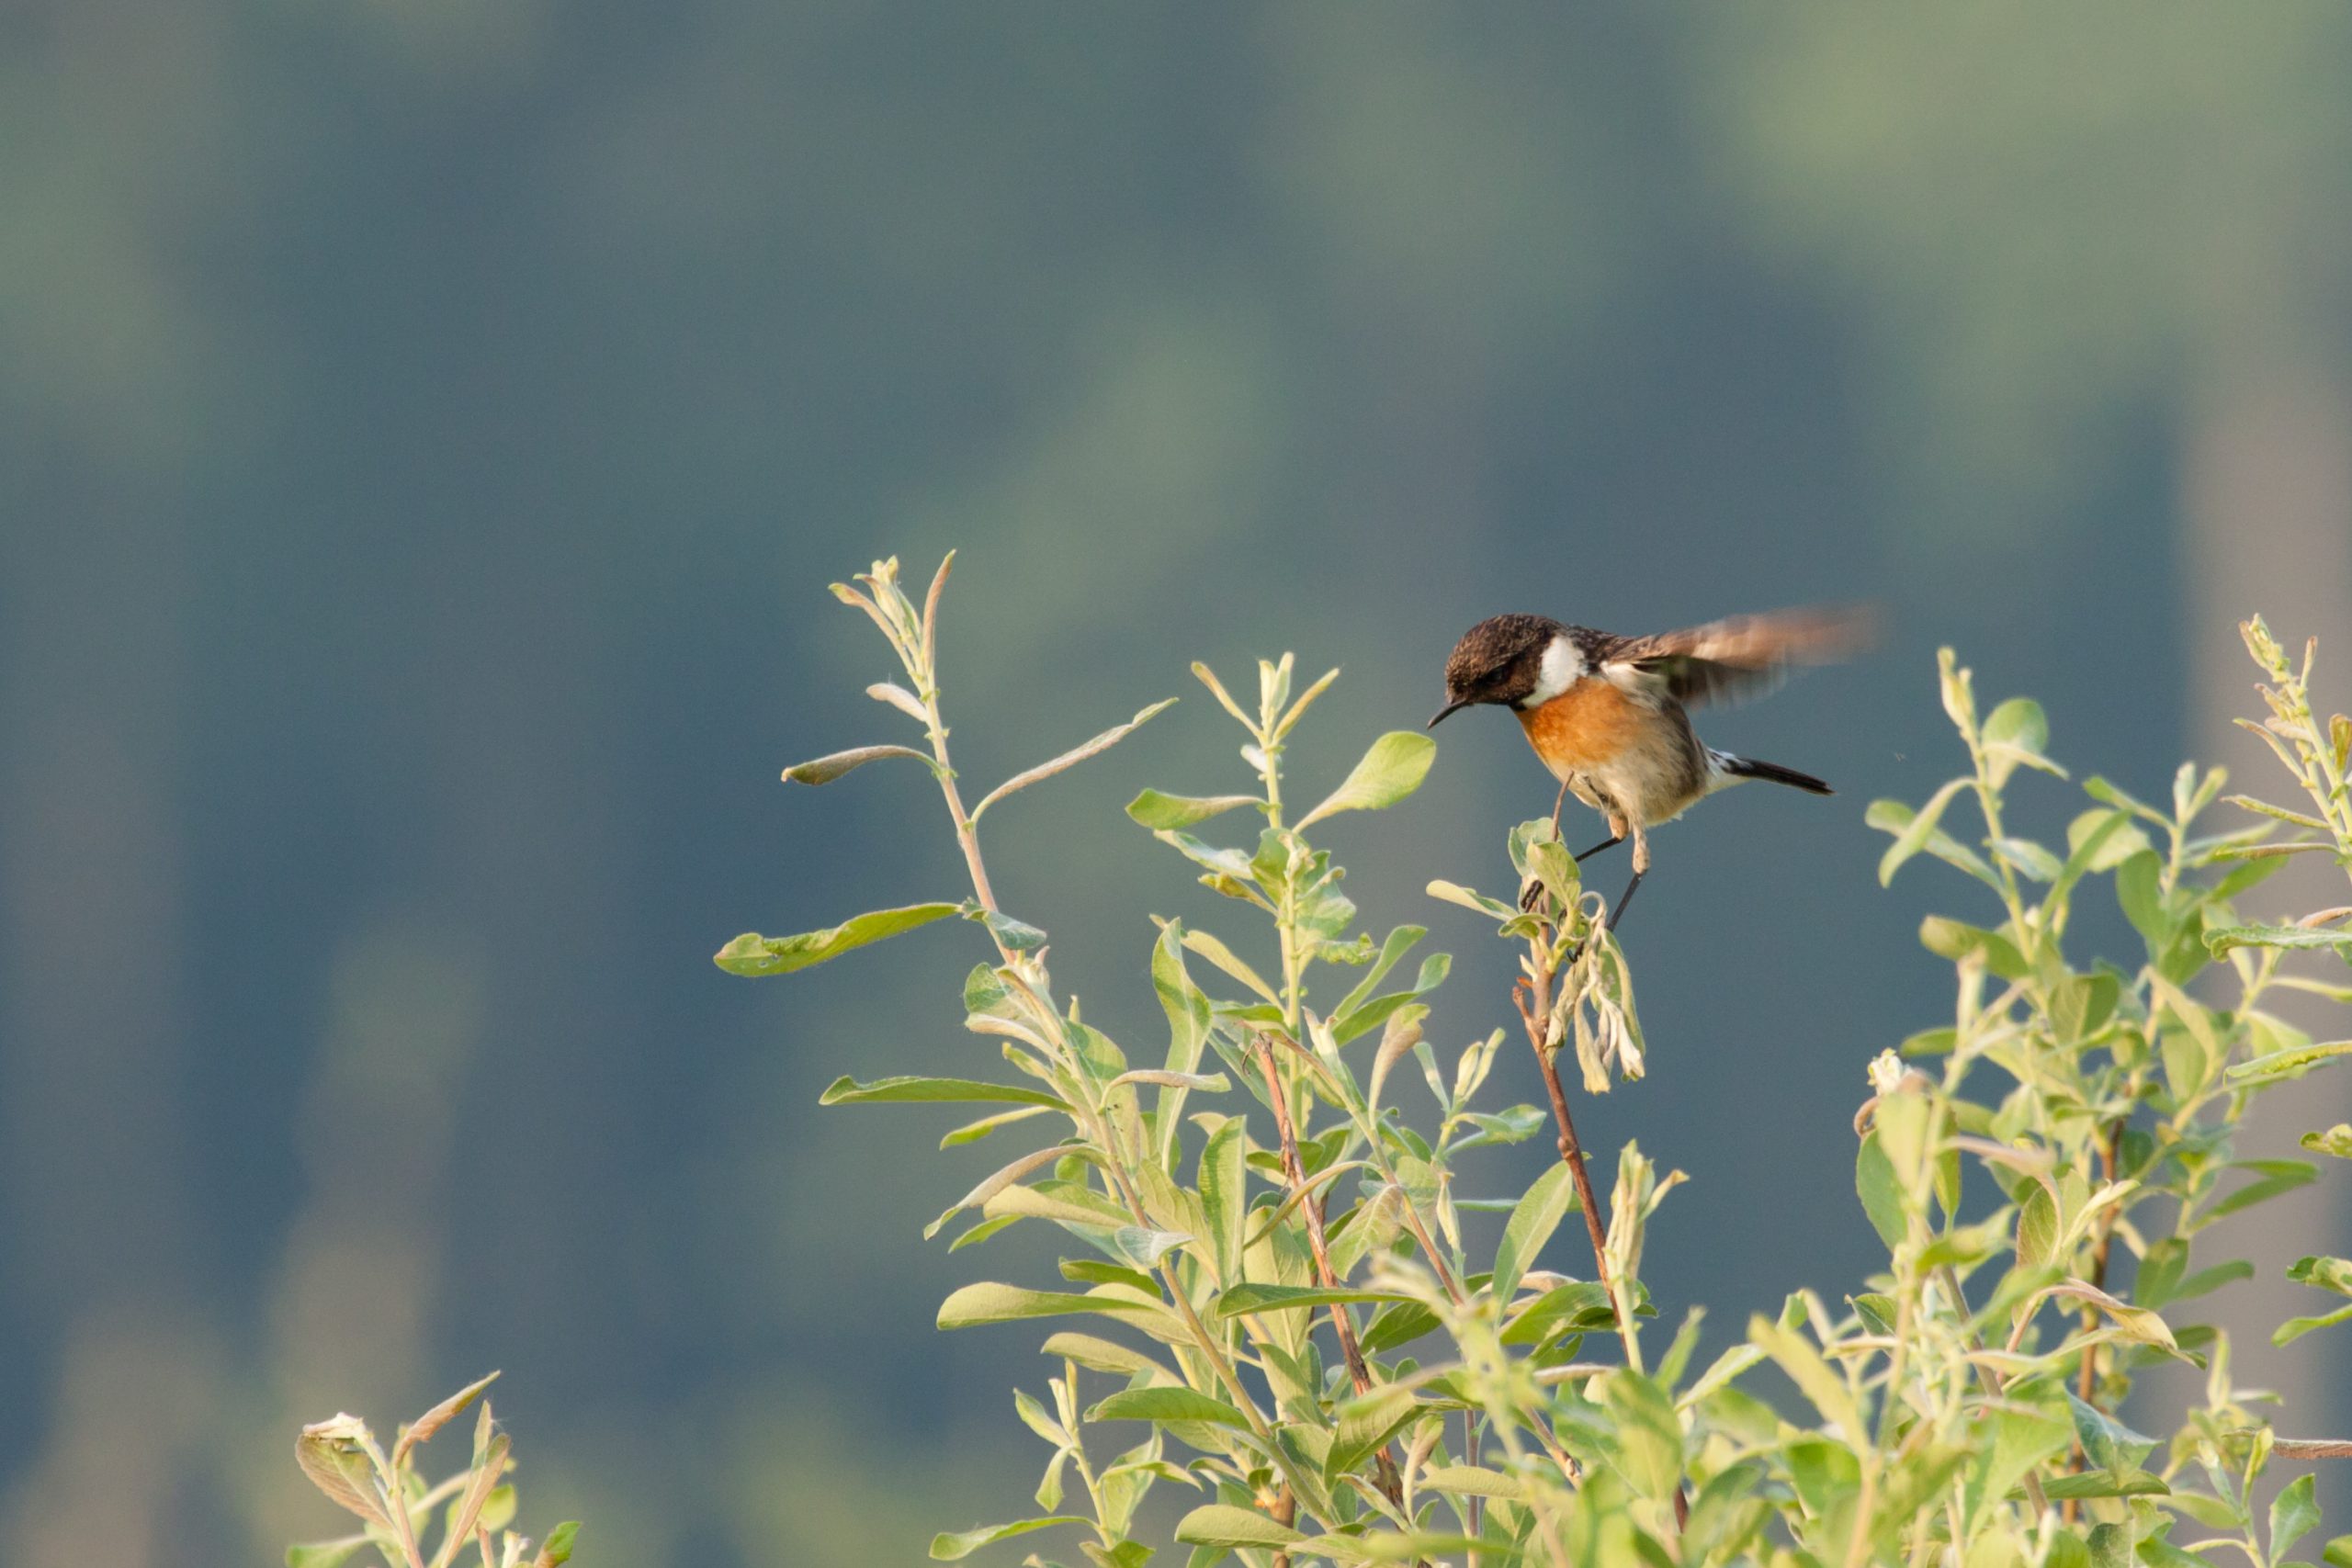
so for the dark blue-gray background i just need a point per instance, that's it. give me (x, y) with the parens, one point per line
(430, 428)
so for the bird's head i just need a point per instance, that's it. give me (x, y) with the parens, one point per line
(1509, 659)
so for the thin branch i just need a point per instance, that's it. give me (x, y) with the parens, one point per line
(1294, 1172)
(2310, 1448)
(1533, 998)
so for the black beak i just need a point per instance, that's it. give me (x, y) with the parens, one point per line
(1450, 707)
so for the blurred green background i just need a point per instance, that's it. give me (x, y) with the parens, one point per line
(430, 426)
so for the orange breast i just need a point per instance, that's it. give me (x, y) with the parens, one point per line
(1586, 727)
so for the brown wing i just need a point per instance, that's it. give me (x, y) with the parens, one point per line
(1735, 658)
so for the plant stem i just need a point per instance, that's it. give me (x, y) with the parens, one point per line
(967, 839)
(1294, 1170)
(1535, 1012)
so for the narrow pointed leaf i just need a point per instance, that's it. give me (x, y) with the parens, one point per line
(950, 1548)
(557, 1550)
(1070, 758)
(1536, 1215)
(826, 769)
(1165, 1404)
(1248, 1298)
(755, 954)
(324, 1554)
(420, 1430)
(1156, 810)
(1222, 1523)
(847, 1091)
(992, 1303)
(2289, 1064)
(897, 697)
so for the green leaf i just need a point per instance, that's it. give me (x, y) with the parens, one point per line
(1532, 1220)
(2337, 1553)
(1911, 829)
(1165, 1404)
(992, 1303)
(1225, 1195)
(2030, 858)
(1578, 1306)
(1156, 810)
(2221, 939)
(2107, 1442)
(1103, 1356)
(2277, 1176)
(2293, 1063)
(1472, 1481)
(1366, 1423)
(1217, 953)
(1649, 1434)
(998, 1181)
(2336, 1141)
(1398, 942)
(973, 1131)
(557, 1548)
(2019, 1440)
(2037, 1227)
(945, 1548)
(2205, 1281)
(1881, 1191)
(1390, 772)
(981, 1231)
(1350, 1023)
(1221, 1524)
(2323, 1274)
(1071, 758)
(1019, 936)
(752, 953)
(2100, 1484)
(846, 1090)
(2294, 1328)
(1251, 1297)
(2294, 1513)
(1821, 1383)
(1471, 898)
(2083, 1003)
(323, 1553)
(1894, 817)
(825, 770)
(1955, 940)
(2139, 892)
(2016, 732)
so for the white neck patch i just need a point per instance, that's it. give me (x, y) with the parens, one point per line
(1563, 667)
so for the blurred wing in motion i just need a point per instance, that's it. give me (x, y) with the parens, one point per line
(1735, 658)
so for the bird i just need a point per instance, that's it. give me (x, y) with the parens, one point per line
(1610, 715)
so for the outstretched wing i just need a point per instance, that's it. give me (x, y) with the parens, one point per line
(1735, 658)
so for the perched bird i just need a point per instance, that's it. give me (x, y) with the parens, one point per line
(1610, 717)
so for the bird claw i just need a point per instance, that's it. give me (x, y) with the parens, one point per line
(1531, 896)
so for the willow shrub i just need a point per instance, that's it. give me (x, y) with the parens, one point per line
(1274, 1312)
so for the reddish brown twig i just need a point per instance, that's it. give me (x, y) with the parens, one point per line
(1533, 997)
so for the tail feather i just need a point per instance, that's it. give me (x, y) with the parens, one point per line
(1748, 768)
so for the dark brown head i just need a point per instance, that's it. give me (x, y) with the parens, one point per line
(1497, 660)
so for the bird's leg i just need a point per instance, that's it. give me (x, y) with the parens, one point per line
(1559, 804)
(1617, 909)
(1641, 869)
